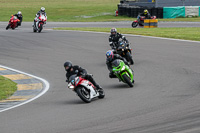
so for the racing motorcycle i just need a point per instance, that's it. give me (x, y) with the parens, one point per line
(84, 88)
(140, 21)
(123, 72)
(124, 50)
(12, 22)
(40, 21)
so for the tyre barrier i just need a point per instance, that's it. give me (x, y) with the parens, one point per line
(133, 11)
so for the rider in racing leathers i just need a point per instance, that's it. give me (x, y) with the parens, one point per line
(110, 58)
(114, 38)
(71, 70)
(42, 11)
(20, 17)
(146, 14)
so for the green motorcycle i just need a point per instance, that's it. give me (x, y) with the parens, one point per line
(123, 72)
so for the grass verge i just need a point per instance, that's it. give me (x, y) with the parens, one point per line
(7, 87)
(60, 10)
(190, 33)
(69, 10)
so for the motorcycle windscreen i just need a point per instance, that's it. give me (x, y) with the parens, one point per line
(116, 63)
(72, 78)
(14, 18)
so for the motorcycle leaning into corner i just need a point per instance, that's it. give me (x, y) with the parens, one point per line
(84, 88)
(40, 21)
(123, 72)
(140, 21)
(124, 50)
(12, 22)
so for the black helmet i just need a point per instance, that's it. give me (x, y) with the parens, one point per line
(67, 65)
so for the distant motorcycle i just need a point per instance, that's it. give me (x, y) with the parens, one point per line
(140, 21)
(124, 50)
(84, 88)
(12, 22)
(123, 72)
(40, 23)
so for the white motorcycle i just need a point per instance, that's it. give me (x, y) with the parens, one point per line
(84, 88)
(40, 21)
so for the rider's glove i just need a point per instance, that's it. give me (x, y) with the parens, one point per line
(76, 71)
(83, 75)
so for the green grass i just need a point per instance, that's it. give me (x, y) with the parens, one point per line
(59, 10)
(7, 87)
(69, 10)
(176, 33)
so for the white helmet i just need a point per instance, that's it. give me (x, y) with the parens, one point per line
(42, 9)
(19, 13)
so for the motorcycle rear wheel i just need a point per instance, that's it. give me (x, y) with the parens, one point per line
(134, 24)
(84, 94)
(127, 80)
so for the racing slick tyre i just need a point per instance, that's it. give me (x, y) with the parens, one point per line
(127, 80)
(41, 27)
(134, 24)
(84, 94)
(7, 27)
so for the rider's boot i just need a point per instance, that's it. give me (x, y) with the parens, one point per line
(34, 23)
(98, 87)
(111, 75)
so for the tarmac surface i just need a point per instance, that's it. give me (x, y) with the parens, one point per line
(165, 98)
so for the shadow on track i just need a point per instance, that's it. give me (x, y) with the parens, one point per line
(118, 86)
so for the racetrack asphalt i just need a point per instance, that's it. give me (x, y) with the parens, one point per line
(165, 98)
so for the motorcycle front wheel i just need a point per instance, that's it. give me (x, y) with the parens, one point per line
(127, 80)
(134, 24)
(40, 28)
(7, 27)
(84, 94)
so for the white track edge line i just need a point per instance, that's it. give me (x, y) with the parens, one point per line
(47, 85)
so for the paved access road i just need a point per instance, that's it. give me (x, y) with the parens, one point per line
(165, 98)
